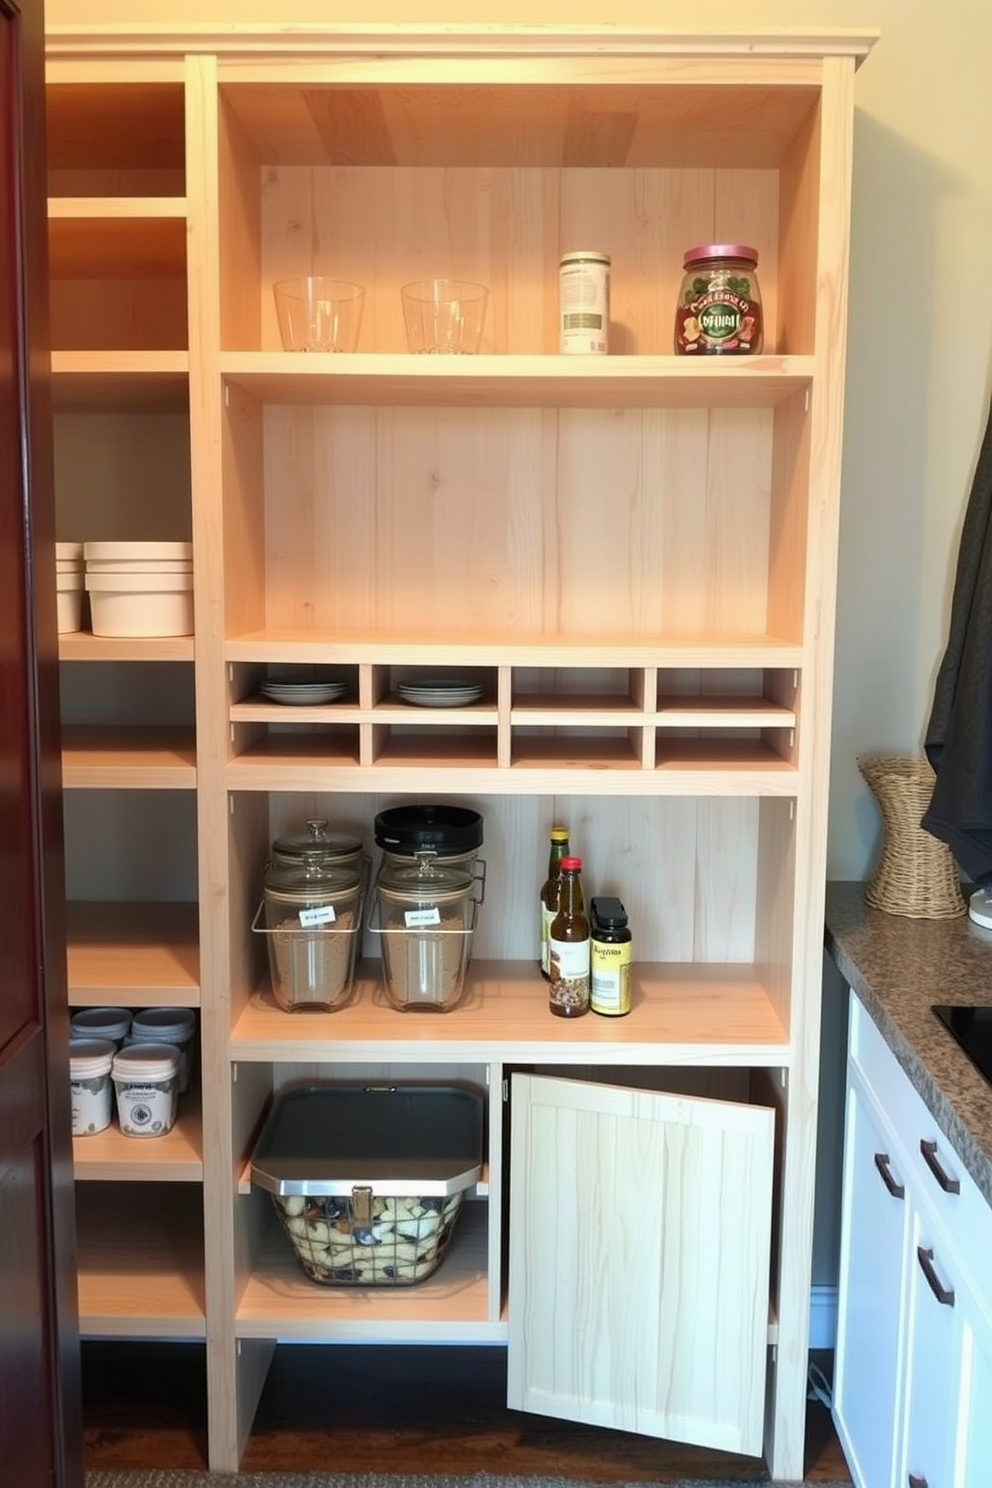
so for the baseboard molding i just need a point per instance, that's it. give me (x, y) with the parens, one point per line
(822, 1317)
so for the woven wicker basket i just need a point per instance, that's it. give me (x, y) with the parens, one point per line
(916, 874)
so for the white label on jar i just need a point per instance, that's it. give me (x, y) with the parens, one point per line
(322, 916)
(90, 1105)
(584, 306)
(414, 918)
(146, 1109)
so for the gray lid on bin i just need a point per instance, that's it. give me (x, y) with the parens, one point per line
(398, 1139)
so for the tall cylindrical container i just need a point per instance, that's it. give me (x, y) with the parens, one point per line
(611, 949)
(584, 303)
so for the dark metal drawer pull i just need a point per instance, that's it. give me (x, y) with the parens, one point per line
(947, 1183)
(915, 1482)
(943, 1295)
(882, 1164)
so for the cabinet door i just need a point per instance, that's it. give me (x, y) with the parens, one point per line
(934, 1364)
(974, 1468)
(639, 1260)
(874, 1236)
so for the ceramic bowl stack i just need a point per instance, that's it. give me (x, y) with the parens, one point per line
(140, 588)
(69, 585)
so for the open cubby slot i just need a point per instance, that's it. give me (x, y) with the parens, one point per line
(119, 139)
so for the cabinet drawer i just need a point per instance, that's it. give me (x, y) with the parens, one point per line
(964, 1214)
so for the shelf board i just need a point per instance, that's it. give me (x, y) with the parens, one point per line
(592, 766)
(280, 1300)
(140, 1261)
(707, 650)
(128, 758)
(499, 110)
(138, 955)
(175, 1158)
(401, 379)
(152, 381)
(81, 645)
(682, 1014)
(96, 239)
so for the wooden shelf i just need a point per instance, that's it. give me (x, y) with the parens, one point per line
(128, 759)
(280, 1300)
(140, 1261)
(81, 645)
(121, 239)
(731, 111)
(598, 766)
(138, 955)
(175, 1158)
(682, 1014)
(123, 380)
(553, 649)
(518, 381)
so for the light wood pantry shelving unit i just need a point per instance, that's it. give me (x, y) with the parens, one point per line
(634, 554)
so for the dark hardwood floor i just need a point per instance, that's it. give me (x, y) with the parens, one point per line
(353, 1409)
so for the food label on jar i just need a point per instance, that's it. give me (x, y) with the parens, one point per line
(610, 977)
(322, 916)
(719, 320)
(584, 293)
(414, 918)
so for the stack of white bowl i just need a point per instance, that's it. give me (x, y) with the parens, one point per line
(69, 585)
(140, 588)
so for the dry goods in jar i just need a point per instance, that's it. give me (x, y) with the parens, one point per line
(719, 305)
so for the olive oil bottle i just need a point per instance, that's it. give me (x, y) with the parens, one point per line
(548, 898)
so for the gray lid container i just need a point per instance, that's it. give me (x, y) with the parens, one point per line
(398, 1140)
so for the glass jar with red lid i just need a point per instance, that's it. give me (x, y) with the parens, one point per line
(719, 305)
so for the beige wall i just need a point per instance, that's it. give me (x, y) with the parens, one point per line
(920, 334)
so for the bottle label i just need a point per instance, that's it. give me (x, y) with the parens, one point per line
(547, 915)
(610, 977)
(568, 971)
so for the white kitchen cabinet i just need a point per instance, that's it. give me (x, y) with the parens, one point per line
(913, 1341)
(634, 554)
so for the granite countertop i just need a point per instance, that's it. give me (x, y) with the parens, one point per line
(898, 967)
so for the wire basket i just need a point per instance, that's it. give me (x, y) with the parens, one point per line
(916, 874)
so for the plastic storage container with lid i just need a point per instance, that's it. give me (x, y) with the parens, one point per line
(112, 1023)
(426, 916)
(719, 305)
(90, 1061)
(368, 1183)
(146, 1079)
(454, 833)
(167, 1025)
(312, 916)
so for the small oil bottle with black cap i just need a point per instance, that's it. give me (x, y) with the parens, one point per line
(611, 950)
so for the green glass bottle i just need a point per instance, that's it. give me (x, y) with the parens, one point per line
(548, 898)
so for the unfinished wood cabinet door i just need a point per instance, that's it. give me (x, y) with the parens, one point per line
(640, 1228)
